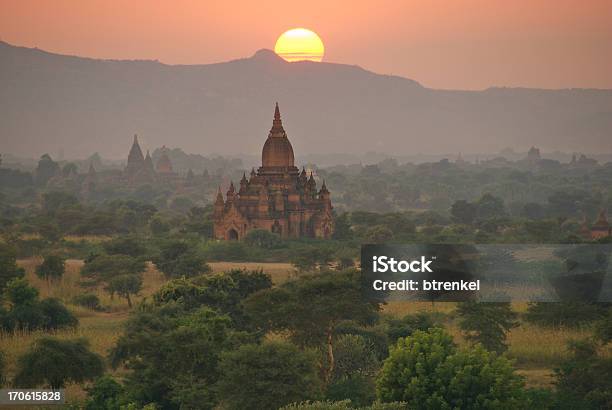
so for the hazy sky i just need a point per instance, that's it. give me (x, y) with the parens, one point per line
(469, 44)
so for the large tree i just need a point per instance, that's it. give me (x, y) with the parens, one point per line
(310, 309)
(53, 362)
(267, 376)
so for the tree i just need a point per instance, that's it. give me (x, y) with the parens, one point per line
(428, 372)
(8, 265)
(28, 312)
(464, 212)
(310, 308)
(178, 258)
(53, 362)
(46, 169)
(125, 286)
(52, 268)
(102, 268)
(180, 369)
(267, 376)
(263, 239)
(490, 206)
(486, 323)
(584, 380)
(54, 201)
(379, 234)
(125, 245)
(105, 394)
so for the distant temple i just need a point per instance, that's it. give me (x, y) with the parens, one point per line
(600, 229)
(278, 197)
(140, 169)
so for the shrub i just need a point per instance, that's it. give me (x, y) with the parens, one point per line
(571, 314)
(52, 268)
(427, 371)
(267, 376)
(486, 323)
(88, 300)
(406, 326)
(53, 362)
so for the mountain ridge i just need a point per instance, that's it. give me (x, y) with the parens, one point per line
(83, 105)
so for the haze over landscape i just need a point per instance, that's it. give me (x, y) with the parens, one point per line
(79, 105)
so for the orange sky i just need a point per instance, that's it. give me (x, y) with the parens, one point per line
(469, 44)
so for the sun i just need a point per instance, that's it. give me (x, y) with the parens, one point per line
(299, 44)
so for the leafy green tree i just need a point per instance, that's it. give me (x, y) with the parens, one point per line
(125, 245)
(53, 362)
(102, 268)
(8, 265)
(570, 314)
(486, 323)
(267, 376)
(379, 234)
(26, 311)
(125, 286)
(180, 369)
(54, 201)
(159, 226)
(584, 380)
(490, 206)
(342, 405)
(342, 228)
(464, 212)
(2, 369)
(105, 394)
(428, 372)
(178, 258)
(52, 268)
(310, 308)
(356, 365)
(406, 326)
(263, 239)
(46, 169)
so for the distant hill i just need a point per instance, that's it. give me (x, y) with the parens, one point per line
(50, 102)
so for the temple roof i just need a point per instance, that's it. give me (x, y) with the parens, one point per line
(277, 150)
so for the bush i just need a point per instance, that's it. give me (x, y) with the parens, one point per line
(28, 312)
(427, 371)
(178, 258)
(406, 326)
(585, 379)
(52, 268)
(486, 323)
(88, 300)
(105, 394)
(571, 314)
(263, 239)
(53, 362)
(267, 376)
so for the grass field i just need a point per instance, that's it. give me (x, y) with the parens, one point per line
(535, 350)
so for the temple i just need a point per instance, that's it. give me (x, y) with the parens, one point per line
(140, 169)
(278, 197)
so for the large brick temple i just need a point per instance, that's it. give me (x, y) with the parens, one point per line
(278, 197)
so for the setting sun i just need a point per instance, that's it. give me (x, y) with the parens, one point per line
(299, 44)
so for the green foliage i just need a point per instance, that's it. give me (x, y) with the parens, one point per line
(52, 268)
(125, 245)
(125, 286)
(428, 372)
(105, 394)
(54, 201)
(223, 292)
(53, 362)
(311, 258)
(406, 326)
(28, 312)
(571, 314)
(486, 323)
(46, 169)
(8, 265)
(2, 369)
(263, 239)
(159, 226)
(585, 379)
(342, 405)
(178, 258)
(102, 268)
(356, 365)
(310, 309)
(180, 368)
(464, 212)
(267, 376)
(378, 234)
(88, 300)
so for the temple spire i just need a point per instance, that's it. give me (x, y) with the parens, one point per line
(277, 124)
